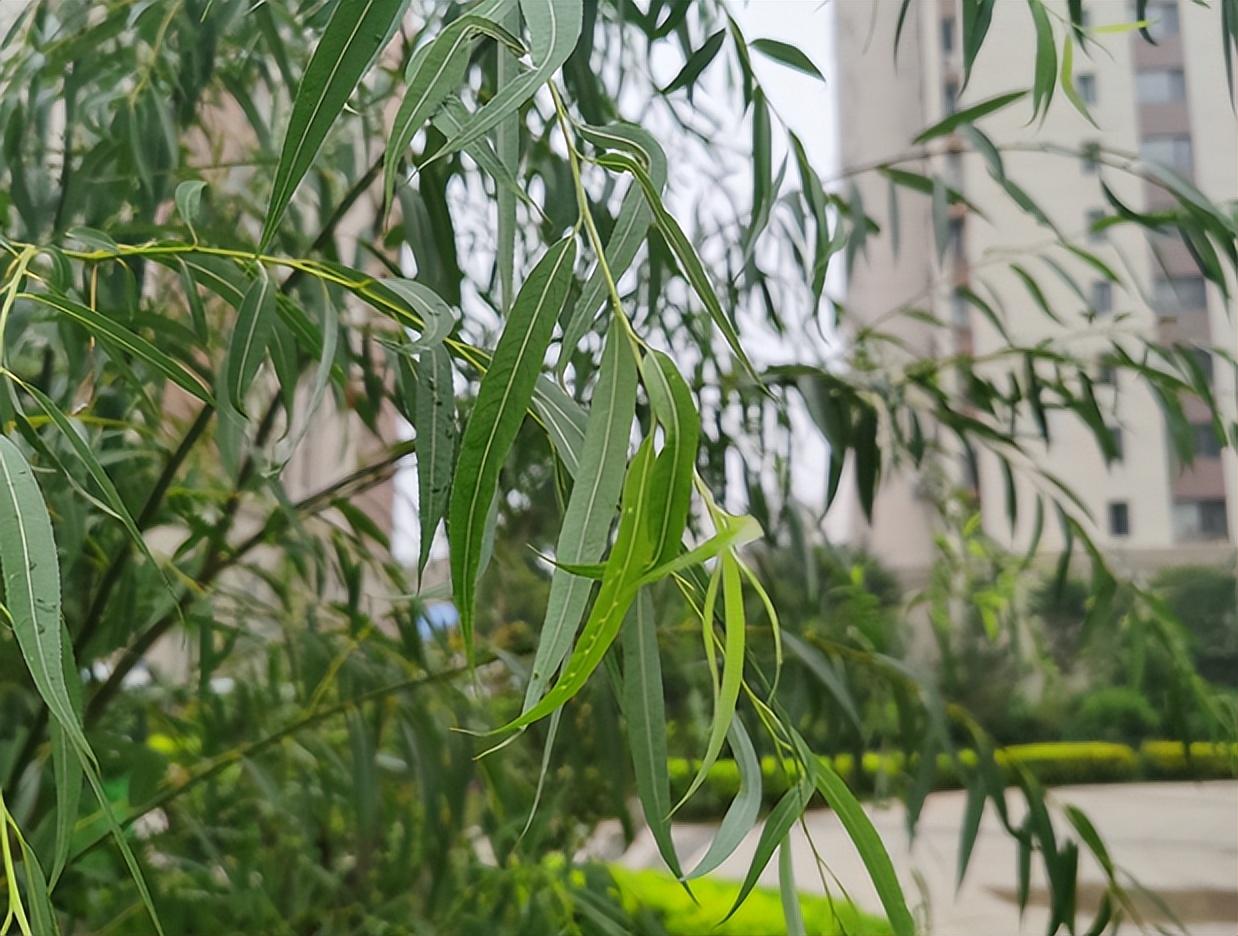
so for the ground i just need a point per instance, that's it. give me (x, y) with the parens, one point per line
(1179, 840)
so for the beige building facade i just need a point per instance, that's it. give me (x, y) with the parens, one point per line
(1164, 103)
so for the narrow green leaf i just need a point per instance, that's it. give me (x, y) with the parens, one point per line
(741, 815)
(628, 233)
(644, 709)
(977, 15)
(672, 405)
(867, 842)
(732, 670)
(564, 421)
(697, 62)
(590, 508)
(1046, 60)
(786, 889)
(971, 827)
(507, 143)
(628, 557)
(554, 27)
(251, 335)
(436, 316)
(968, 115)
(689, 262)
(354, 36)
(774, 832)
(788, 55)
(505, 393)
(833, 681)
(434, 422)
(1067, 79)
(110, 331)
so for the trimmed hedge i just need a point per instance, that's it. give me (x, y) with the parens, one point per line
(658, 893)
(1052, 763)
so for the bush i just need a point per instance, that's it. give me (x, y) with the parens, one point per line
(663, 896)
(1205, 600)
(1168, 760)
(1115, 713)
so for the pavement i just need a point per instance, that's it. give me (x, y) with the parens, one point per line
(1177, 840)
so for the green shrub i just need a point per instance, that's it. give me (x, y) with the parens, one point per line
(1115, 713)
(1167, 760)
(760, 915)
(1062, 762)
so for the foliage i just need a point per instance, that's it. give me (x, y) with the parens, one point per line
(189, 297)
(664, 897)
(1114, 713)
(1205, 600)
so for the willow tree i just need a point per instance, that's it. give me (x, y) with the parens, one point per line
(179, 306)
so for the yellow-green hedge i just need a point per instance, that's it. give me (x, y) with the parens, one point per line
(1052, 763)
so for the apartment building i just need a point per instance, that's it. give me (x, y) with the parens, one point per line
(1164, 102)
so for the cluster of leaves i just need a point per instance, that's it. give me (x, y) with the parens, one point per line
(169, 338)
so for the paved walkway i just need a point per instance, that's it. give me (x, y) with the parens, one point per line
(1179, 840)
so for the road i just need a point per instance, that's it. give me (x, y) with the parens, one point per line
(1179, 840)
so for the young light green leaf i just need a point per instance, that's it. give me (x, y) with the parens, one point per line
(111, 332)
(628, 557)
(251, 335)
(644, 709)
(1067, 79)
(732, 670)
(354, 36)
(787, 54)
(968, 115)
(505, 393)
(434, 421)
(590, 507)
(697, 62)
(690, 263)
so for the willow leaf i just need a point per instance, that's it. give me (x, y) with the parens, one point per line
(732, 670)
(968, 115)
(434, 71)
(1067, 79)
(786, 890)
(507, 143)
(564, 420)
(672, 404)
(629, 231)
(787, 54)
(554, 27)
(1046, 60)
(32, 601)
(251, 335)
(434, 421)
(620, 584)
(436, 316)
(113, 333)
(867, 842)
(354, 36)
(644, 708)
(683, 250)
(697, 62)
(590, 507)
(742, 814)
(505, 393)
(774, 831)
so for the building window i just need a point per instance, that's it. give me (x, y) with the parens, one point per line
(947, 34)
(1095, 216)
(1160, 86)
(1206, 443)
(1162, 19)
(1106, 373)
(1087, 88)
(1090, 157)
(956, 239)
(1119, 443)
(1203, 360)
(1204, 519)
(1168, 149)
(1174, 294)
(950, 96)
(960, 313)
(1119, 518)
(1102, 297)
